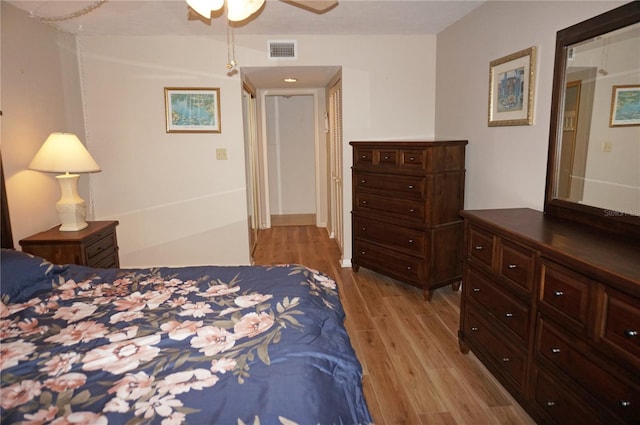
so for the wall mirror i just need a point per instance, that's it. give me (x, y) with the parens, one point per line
(593, 171)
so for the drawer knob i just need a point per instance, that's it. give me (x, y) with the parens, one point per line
(555, 350)
(558, 293)
(409, 268)
(474, 329)
(478, 248)
(363, 202)
(364, 229)
(364, 157)
(363, 181)
(625, 403)
(412, 210)
(506, 359)
(410, 240)
(412, 158)
(508, 315)
(513, 266)
(386, 157)
(410, 186)
(550, 403)
(362, 252)
(476, 289)
(630, 333)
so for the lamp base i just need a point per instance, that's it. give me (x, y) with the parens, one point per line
(72, 209)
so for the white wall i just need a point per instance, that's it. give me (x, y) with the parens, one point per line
(506, 166)
(176, 204)
(291, 154)
(40, 88)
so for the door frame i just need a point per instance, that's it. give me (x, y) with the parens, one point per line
(320, 166)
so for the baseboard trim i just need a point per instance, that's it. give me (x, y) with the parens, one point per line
(293, 220)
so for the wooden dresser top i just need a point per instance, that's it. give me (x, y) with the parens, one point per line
(593, 252)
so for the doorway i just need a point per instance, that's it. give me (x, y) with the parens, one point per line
(267, 84)
(291, 159)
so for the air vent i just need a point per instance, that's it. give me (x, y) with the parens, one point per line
(283, 49)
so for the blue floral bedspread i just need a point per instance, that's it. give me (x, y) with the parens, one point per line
(194, 345)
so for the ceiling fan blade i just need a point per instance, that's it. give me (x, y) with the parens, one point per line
(316, 6)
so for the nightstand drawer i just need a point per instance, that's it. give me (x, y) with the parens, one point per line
(101, 250)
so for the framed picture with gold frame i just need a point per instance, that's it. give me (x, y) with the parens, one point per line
(192, 109)
(625, 106)
(511, 89)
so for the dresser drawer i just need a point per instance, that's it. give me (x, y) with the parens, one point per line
(565, 295)
(405, 209)
(363, 156)
(504, 356)
(621, 325)
(405, 239)
(387, 158)
(392, 263)
(516, 265)
(559, 404)
(508, 310)
(618, 396)
(405, 187)
(413, 158)
(480, 245)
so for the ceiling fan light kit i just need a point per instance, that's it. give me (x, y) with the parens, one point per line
(237, 10)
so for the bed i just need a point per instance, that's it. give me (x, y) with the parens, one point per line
(193, 345)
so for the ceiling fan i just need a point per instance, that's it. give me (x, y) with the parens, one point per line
(239, 10)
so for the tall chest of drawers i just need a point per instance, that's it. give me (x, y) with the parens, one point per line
(407, 197)
(553, 310)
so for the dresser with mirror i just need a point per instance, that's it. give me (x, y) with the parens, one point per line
(551, 299)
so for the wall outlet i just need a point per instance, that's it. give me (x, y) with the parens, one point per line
(607, 146)
(221, 154)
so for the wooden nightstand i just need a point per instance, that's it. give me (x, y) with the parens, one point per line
(95, 246)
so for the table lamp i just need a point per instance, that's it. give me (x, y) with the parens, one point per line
(65, 153)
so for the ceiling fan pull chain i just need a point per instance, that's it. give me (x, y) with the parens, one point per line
(231, 46)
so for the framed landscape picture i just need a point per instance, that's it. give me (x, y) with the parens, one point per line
(511, 84)
(192, 110)
(625, 106)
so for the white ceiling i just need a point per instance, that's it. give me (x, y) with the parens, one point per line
(173, 17)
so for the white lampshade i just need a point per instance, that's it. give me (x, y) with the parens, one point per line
(63, 153)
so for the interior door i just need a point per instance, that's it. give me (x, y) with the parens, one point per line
(335, 161)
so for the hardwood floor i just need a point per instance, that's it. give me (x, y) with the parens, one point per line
(414, 372)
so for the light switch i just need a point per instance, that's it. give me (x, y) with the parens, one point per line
(221, 154)
(607, 146)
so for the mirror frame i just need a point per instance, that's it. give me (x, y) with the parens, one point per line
(620, 17)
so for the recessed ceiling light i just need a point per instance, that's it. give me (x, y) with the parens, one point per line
(290, 80)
